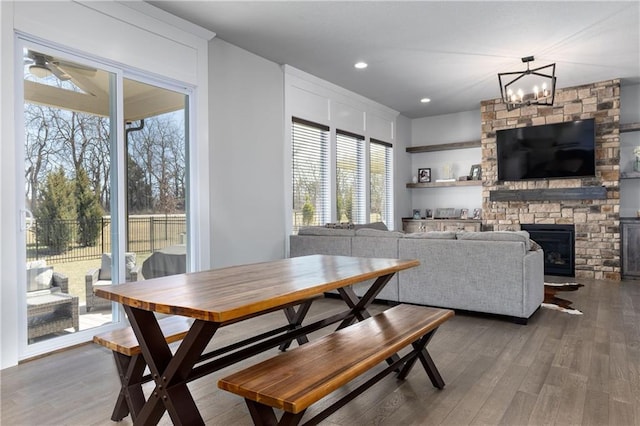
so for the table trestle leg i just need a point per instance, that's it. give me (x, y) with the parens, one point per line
(170, 372)
(131, 371)
(295, 319)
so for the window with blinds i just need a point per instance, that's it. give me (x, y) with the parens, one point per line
(381, 182)
(350, 178)
(310, 146)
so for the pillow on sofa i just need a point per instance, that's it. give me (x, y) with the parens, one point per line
(105, 265)
(328, 232)
(433, 235)
(339, 225)
(375, 225)
(534, 246)
(369, 232)
(39, 278)
(522, 236)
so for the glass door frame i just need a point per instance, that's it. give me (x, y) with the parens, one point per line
(118, 173)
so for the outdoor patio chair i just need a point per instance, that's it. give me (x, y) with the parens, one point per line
(50, 309)
(102, 276)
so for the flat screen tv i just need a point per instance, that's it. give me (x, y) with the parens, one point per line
(562, 150)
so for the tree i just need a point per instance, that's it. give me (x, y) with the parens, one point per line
(139, 196)
(56, 213)
(308, 211)
(88, 210)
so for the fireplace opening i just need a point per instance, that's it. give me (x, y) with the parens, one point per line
(558, 243)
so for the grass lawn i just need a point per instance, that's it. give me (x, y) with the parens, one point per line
(77, 269)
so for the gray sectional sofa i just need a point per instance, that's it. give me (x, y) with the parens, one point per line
(490, 272)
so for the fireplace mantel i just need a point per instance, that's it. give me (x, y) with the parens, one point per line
(549, 194)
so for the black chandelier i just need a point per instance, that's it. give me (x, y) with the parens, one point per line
(529, 87)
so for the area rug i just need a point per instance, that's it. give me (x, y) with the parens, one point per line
(552, 301)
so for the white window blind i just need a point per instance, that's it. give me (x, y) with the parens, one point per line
(310, 146)
(381, 183)
(350, 177)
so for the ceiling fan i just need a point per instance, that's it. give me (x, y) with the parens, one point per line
(42, 66)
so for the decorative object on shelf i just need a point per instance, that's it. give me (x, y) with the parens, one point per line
(540, 87)
(428, 213)
(416, 213)
(424, 175)
(463, 178)
(464, 213)
(477, 213)
(414, 179)
(445, 213)
(476, 172)
(636, 162)
(447, 172)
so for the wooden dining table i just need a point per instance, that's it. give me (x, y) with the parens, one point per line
(219, 297)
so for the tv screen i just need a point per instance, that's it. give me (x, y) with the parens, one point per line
(561, 150)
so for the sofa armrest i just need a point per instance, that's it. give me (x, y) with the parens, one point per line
(90, 279)
(60, 280)
(533, 270)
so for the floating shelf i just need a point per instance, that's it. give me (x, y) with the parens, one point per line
(630, 127)
(443, 147)
(443, 184)
(630, 175)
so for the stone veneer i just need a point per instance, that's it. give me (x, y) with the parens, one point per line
(597, 226)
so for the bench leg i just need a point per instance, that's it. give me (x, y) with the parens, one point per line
(131, 398)
(422, 354)
(295, 319)
(263, 415)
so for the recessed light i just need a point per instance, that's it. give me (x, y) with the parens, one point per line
(425, 100)
(361, 65)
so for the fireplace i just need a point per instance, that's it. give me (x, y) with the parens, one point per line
(558, 242)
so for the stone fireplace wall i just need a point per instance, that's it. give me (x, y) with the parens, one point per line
(597, 242)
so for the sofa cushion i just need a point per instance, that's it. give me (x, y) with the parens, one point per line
(370, 232)
(497, 236)
(105, 265)
(39, 278)
(375, 225)
(40, 263)
(433, 235)
(327, 232)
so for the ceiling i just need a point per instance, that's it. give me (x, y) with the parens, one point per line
(448, 51)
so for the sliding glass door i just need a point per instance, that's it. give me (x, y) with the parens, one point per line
(105, 184)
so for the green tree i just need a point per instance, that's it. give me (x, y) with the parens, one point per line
(308, 211)
(88, 210)
(56, 212)
(139, 195)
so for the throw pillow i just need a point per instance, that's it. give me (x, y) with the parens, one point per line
(534, 246)
(339, 225)
(105, 267)
(374, 225)
(39, 278)
(433, 235)
(328, 232)
(369, 232)
(522, 236)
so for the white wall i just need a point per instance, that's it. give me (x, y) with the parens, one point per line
(449, 128)
(246, 162)
(136, 35)
(314, 99)
(629, 113)
(404, 170)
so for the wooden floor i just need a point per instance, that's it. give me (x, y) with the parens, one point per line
(559, 369)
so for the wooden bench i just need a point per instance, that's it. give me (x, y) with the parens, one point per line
(131, 364)
(294, 380)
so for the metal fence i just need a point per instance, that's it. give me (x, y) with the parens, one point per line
(146, 234)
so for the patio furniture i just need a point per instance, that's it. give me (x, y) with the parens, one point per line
(49, 308)
(166, 261)
(102, 276)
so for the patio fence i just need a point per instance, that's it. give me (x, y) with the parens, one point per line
(146, 234)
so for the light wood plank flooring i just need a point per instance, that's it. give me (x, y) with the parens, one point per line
(559, 369)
